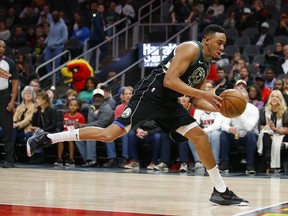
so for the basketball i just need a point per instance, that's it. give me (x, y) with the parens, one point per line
(233, 103)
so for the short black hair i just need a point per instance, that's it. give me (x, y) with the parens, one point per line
(212, 29)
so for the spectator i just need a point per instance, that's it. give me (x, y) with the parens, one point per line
(18, 38)
(240, 85)
(217, 7)
(37, 51)
(270, 77)
(5, 33)
(9, 90)
(255, 97)
(208, 18)
(12, 19)
(126, 94)
(279, 85)
(273, 125)
(25, 71)
(234, 73)
(244, 75)
(82, 33)
(264, 38)
(260, 81)
(223, 82)
(31, 36)
(55, 41)
(100, 114)
(282, 26)
(108, 95)
(260, 13)
(271, 58)
(246, 20)
(97, 36)
(282, 63)
(230, 21)
(53, 96)
(147, 132)
(125, 9)
(36, 85)
(240, 131)
(181, 12)
(111, 17)
(28, 15)
(70, 94)
(87, 93)
(46, 12)
(70, 119)
(43, 20)
(23, 114)
(44, 117)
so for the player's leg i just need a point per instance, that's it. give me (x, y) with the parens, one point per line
(221, 194)
(42, 139)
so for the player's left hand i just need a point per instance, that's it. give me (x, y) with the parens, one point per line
(212, 98)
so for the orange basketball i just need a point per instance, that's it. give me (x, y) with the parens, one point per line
(233, 103)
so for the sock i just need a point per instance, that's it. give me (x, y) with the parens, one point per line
(64, 136)
(217, 179)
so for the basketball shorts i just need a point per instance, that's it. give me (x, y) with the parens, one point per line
(150, 102)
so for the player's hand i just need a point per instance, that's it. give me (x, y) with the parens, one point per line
(212, 98)
(4, 74)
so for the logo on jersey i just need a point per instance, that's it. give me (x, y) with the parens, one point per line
(127, 112)
(197, 76)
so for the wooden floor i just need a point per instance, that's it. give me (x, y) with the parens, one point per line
(116, 192)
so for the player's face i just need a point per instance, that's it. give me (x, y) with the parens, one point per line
(215, 44)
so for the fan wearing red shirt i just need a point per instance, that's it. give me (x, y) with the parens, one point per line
(71, 118)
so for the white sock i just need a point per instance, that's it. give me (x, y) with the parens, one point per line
(64, 136)
(217, 179)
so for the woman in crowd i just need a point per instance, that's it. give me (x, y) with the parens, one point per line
(274, 126)
(23, 114)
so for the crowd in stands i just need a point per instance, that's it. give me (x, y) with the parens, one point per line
(258, 67)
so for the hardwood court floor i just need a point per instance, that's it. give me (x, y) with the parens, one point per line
(116, 192)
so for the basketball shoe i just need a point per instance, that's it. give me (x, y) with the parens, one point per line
(227, 198)
(37, 141)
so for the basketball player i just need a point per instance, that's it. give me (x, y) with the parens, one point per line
(183, 72)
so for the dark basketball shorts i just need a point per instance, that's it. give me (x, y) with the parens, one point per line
(149, 102)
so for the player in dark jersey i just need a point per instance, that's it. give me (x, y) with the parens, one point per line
(183, 72)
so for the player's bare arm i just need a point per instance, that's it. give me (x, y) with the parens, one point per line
(185, 54)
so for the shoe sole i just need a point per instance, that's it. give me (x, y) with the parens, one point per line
(130, 167)
(160, 169)
(239, 204)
